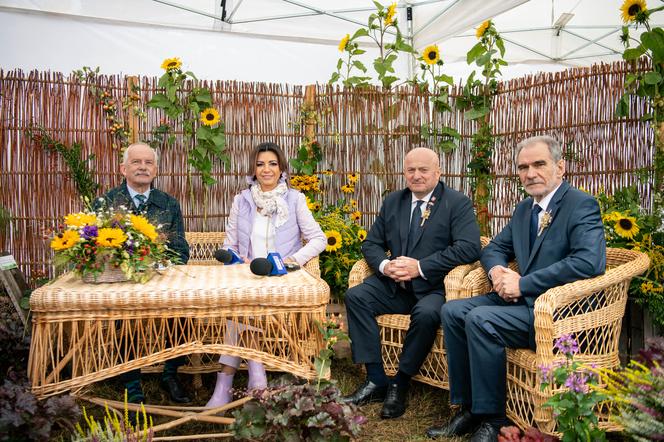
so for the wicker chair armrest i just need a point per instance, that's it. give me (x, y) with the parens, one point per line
(552, 318)
(454, 281)
(359, 273)
(313, 267)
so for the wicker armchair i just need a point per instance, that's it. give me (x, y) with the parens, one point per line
(393, 327)
(591, 310)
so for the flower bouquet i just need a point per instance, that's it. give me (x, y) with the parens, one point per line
(110, 246)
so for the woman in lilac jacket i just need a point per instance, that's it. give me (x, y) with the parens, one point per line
(267, 217)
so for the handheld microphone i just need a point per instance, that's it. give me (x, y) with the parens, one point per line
(228, 257)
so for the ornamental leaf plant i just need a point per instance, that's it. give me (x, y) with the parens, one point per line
(576, 398)
(203, 129)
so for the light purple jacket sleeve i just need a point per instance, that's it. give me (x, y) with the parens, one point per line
(311, 232)
(231, 241)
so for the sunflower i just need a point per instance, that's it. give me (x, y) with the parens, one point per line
(65, 240)
(81, 219)
(142, 224)
(346, 188)
(391, 11)
(343, 43)
(210, 116)
(315, 206)
(361, 234)
(481, 29)
(631, 9)
(170, 64)
(355, 215)
(626, 227)
(333, 241)
(111, 237)
(353, 203)
(431, 55)
(352, 178)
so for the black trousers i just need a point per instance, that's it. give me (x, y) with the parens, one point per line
(364, 302)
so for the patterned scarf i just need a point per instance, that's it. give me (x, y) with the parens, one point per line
(271, 202)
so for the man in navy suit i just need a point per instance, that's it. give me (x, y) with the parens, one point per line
(556, 237)
(420, 234)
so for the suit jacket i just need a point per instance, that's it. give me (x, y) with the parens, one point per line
(572, 247)
(160, 208)
(448, 238)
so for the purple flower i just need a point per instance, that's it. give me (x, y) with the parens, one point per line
(576, 382)
(545, 370)
(90, 232)
(567, 345)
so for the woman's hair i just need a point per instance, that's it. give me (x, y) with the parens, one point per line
(269, 147)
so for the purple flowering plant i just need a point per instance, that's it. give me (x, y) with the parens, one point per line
(574, 403)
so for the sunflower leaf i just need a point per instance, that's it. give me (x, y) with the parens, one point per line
(358, 64)
(634, 53)
(362, 32)
(476, 113)
(652, 77)
(475, 52)
(159, 101)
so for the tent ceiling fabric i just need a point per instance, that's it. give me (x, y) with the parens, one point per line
(533, 43)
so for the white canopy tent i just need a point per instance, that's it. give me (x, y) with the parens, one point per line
(293, 41)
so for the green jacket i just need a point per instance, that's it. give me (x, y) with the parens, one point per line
(160, 208)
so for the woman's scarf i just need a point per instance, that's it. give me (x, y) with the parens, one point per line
(271, 202)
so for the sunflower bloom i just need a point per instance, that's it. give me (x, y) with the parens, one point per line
(111, 237)
(210, 116)
(631, 9)
(352, 178)
(80, 219)
(353, 203)
(362, 234)
(315, 206)
(347, 188)
(144, 226)
(343, 43)
(481, 29)
(65, 240)
(626, 227)
(391, 11)
(355, 216)
(333, 241)
(171, 64)
(431, 55)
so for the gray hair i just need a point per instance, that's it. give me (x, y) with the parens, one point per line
(125, 154)
(554, 146)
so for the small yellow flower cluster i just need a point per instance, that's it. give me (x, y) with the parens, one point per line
(349, 187)
(314, 206)
(305, 183)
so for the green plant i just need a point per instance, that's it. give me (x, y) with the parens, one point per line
(573, 407)
(92, 241)
(331, 332)
(476, 101)
(79, 169)
(201, 122)
(638, 391)
(115, 429)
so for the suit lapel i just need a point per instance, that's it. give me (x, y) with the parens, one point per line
(432, 207)
(551, 209)
(404, 221)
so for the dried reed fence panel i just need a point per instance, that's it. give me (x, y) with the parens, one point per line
(366, 132)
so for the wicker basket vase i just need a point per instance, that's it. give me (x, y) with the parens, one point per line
(110, 274)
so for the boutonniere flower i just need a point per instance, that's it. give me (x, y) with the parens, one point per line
(545, 222)
(427, 210)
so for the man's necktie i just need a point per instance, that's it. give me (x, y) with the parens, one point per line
(534, 224)
(141, 201)
(415, 221)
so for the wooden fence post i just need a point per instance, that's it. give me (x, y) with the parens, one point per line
(132, 118)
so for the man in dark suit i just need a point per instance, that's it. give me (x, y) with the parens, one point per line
(420, 234)
(556, 237)
(139, 167)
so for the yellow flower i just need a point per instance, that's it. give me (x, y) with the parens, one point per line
(111, 237)
(481, 29)
(328, 172)
(631, 8)
(353, 203)
(626, 227)
(431, 55)
(352, 178)
(142, 224)
(315, 206)
(80, 219)
(391, 11)
(333, 241)
(611, 216)
(65, 240)
(343, 43)
(362, 234)
(347, 188)
(170, 64)
(210, 116)
(355, 215)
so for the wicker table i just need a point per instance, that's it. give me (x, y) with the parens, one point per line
(84, 333)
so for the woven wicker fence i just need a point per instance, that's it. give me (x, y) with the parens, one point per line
(366, 132)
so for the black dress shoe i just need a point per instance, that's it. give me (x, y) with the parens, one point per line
(175, 390)
(461, 423)
(366, 393)
(395, 401)
(485, 433)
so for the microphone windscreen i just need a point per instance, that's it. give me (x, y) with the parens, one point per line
(260, 266)
(223, 255)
